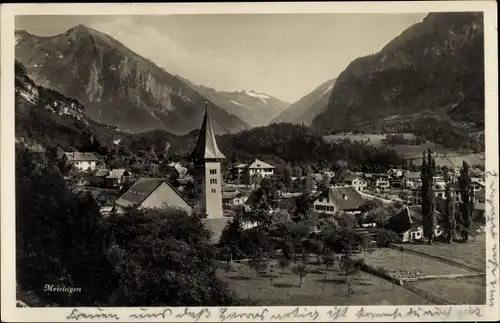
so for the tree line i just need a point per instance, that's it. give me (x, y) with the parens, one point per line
(142, 257)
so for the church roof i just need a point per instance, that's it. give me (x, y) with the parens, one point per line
(206, 147)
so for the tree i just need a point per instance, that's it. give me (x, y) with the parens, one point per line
(428, 198)
(385, 237)
(300, 270)
(258, 263)
(60, 236)
(449, 208)
(325, 182)
(467, 204)
(303, 205)
(163, 257)
(232, 238)
(283, 263)
(328, 260)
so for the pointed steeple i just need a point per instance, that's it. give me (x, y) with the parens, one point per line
(206, 147)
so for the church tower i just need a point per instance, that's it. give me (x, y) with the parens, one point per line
(206, 158)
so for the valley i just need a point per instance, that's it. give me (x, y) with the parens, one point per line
(368, 190)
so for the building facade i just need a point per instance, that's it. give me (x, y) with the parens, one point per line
(206, 159)
(82, 161)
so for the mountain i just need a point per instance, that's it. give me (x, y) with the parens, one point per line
(255, 109)
(308, 107)
(429, 79)
(44, 117)
(117, 86)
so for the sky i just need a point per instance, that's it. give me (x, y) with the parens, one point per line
(284, 55)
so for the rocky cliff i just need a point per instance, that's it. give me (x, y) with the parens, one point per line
(45, 117)
(431, 76)
(117, 86)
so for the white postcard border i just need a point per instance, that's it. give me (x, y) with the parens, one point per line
(490, 311)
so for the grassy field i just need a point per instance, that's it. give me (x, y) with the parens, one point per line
(315, 290)
(412, 151)
(392, 260)
(457, 291)
(472, 254)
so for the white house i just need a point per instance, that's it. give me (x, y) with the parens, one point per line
(260, 169)
(382, 182)
(82, 161)
(335, 199)
(356, 181)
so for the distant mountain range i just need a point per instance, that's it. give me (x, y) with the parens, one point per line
(254, 108)
(117, 86)
(429, 80)
(308, 107)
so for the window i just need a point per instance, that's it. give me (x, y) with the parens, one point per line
(213, 181)
(213, 190)
(213, 171)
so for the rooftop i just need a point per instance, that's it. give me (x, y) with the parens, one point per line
(260, 164)
(78, 156)
(346, 198)
(206, 146)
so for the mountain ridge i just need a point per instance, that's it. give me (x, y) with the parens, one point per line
(431, 71)
(254, 108)
(307, 107)
(117, 86)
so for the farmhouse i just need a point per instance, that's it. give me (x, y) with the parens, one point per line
(335, 199)
(82, 161)
(151, 193)
(407, 222)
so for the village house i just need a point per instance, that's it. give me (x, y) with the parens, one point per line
(82, 161)
(339, 199)
(478, 183)
(260, 169)
(407, 223)
(116, 178)
(99, 177)
(233, 198)
(381, 182)
(439, 192)
(395, 173)
(238, 173)
(151, 193)
(354, 180)
(411, 180)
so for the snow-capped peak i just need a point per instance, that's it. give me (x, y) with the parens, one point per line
(257, 95)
